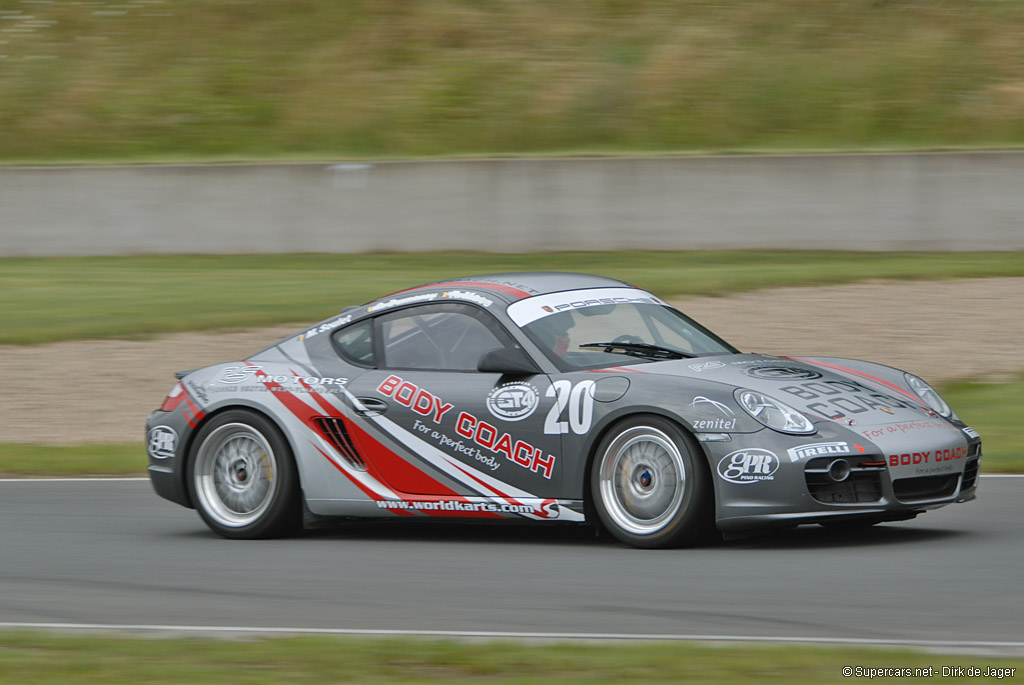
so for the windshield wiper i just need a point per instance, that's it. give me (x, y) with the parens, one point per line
(641, 350)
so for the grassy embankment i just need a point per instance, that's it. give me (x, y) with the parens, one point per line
(117, 297)
(151, 81)
(60, 299)
(40, 658)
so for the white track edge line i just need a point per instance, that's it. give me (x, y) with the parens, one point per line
(139, 480)
(498, 634)
(71, 480)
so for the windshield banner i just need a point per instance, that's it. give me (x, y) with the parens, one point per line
(529, 310)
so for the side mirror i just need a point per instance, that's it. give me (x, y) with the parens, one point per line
(505, 360)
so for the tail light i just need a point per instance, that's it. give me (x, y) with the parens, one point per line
(174, 398)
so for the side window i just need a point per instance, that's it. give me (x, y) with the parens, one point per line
(448, 337)
(356, 343)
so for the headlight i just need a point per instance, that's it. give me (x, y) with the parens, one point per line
(774, 414)
(928, 395)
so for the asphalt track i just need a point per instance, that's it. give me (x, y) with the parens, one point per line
(106, 553)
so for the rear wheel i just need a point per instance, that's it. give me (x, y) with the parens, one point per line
(649, 486)
(242, 477)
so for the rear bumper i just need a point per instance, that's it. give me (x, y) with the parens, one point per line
(167, 471)
(168, 485)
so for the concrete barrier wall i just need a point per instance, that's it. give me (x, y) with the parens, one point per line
(972, 201)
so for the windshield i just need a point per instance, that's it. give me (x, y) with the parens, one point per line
(586, 329)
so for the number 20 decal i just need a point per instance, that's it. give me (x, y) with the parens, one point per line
(578, 400)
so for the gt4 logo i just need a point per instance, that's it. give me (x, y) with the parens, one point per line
(513, 401)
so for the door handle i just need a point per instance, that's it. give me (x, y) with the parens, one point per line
(371, 406)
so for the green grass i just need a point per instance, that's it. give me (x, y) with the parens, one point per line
(118, 459)
(202, 79)
(54, 299)
(28, 657)
(993, 409)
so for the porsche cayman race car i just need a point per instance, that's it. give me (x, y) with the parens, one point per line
(550, 397)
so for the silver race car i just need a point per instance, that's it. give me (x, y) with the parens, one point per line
(550, 397)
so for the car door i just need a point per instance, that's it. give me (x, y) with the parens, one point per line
(431, 424)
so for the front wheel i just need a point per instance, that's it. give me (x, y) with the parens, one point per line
(649, 487)
(242, 477)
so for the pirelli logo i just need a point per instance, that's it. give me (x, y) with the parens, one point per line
(818, 449)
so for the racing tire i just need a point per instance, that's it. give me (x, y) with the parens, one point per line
(650, 486)
(242, 477)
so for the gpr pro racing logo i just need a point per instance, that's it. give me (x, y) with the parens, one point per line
(513, 401)
(162, 443)
(748, 466)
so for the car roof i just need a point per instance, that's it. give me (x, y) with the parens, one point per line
(518, 285)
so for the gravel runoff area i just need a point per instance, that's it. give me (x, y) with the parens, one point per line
(941, 330)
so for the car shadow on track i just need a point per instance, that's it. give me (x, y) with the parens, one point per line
(804, 537)
(817, 537)
(456, 532)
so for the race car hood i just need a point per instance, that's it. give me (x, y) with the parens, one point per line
(822, 391)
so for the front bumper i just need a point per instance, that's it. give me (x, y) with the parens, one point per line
(868, 486)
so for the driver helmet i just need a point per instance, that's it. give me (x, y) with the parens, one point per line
(553, 332)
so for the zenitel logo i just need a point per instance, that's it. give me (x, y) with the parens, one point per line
(699, 402)
(513, 401)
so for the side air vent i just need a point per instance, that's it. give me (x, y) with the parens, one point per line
(970, 475)
(334, 431)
